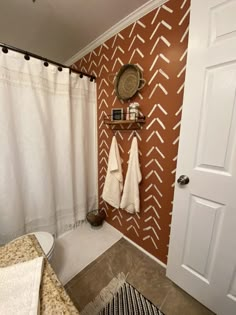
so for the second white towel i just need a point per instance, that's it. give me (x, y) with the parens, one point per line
(130, 200)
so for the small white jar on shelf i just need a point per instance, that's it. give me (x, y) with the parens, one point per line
(133, 111)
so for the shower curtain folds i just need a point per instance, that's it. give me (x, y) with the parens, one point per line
(48, 140)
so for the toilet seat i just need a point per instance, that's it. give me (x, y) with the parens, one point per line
(46, 240)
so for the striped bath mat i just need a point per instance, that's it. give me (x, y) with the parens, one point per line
(120, 298)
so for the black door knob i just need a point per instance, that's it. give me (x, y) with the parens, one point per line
(183, 180)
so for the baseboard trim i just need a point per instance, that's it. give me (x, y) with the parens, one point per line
(131, 18)
(139, 247)
(145, 252)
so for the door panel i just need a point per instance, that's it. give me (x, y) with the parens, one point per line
(200, 247)
(202, 250)
(220, 29)
(217, 116)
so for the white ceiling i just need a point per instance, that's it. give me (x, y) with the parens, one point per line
(58, 29)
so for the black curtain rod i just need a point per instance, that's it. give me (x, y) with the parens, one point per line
(27, 56)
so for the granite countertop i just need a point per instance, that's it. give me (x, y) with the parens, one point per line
(53, 297)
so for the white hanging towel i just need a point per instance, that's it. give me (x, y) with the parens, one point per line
(130, 199)
(114, 179)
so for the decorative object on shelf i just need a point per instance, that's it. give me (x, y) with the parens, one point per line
(128, 81)
(127, 114)
(134, 111)
(117, 114)
(96, 217)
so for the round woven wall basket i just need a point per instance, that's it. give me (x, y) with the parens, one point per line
(128, 81)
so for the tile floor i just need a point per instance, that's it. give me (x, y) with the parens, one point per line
(144, 274)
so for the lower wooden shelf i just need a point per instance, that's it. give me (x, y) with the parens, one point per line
(125, 124)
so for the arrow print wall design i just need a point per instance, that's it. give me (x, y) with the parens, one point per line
(157, 43)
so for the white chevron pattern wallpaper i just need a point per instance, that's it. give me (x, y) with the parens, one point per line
(157, 43)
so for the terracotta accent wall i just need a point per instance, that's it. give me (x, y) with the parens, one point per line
(158, 44)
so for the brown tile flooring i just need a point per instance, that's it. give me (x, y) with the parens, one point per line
(147, 276)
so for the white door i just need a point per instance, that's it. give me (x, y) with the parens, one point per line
(202, 253)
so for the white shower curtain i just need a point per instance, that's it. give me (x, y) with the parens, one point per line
(48, 147)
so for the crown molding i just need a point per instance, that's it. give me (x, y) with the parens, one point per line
(122, 24)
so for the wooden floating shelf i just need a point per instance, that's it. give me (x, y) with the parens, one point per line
(124, 124)
(127, 122)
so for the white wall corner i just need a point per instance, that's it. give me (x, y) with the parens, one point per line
(129, 19)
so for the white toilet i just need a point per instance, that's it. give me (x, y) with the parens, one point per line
(46, 241)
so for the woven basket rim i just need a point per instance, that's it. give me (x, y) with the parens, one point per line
(123, 90)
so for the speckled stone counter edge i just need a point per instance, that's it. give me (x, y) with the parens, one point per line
(53, 297)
